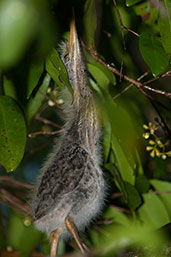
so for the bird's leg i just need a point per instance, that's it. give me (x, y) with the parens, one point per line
(54, 239)
(73, 231)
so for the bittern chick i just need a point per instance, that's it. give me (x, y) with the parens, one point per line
(70, 192)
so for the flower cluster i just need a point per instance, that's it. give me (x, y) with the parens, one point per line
(53, 97)
(156, 144)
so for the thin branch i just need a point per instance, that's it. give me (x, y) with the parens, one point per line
(121, 209)
(122, 25)
(14, 183)
(47, 97)
(13, 201)
(161, 117)
(130, 85)
(140, 86)
(34, 134)
(45, 121)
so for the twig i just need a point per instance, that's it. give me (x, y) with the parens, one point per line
(9, 198)
(122, 25)
(102, 231)
(37, 117)
(121, 209)
(47, 97)
(116, 195)
(34, 134)
(140, 86)
(130, 85)
(14, 183)
(161, 117)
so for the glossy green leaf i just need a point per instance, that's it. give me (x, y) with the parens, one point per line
(164, 25)
(153, 211)
(164, 190)
(100, 77)
(35, 72)
(132, 2)
(90, 22)
(153, 53)
(57, 70)
(18, 21)
(12, 133)
(22, 237)
(36, 101)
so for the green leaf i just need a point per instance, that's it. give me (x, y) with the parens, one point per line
(165, 195)
(18, 22)
(125, 169)
(147, 11)
(35, 72)
(100, 77)
(56, 69)
(116, 238)
(164, 25)
(21, 237)
(12, 133)
(36, 101)
(153, 53)
(132, 2)
(106, 139)
(153, 211)
(90, 22)
(9, 88)
(133, 197)
(117, 216)
(142, 184)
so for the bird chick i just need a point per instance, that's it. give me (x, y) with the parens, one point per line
(71, 189)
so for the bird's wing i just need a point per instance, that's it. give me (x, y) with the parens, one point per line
(61, 177)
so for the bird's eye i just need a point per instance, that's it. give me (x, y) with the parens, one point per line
(65, 56)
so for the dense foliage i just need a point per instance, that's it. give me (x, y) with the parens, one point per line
(127, 49)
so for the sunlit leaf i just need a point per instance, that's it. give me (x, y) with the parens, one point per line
(117, 216)
(100, 77)
(164, 190)
(57, 70)
(12, 133)
(147, 11)
(153, 211)
(153, 53)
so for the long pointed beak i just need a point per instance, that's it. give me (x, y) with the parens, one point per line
(72, 45)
